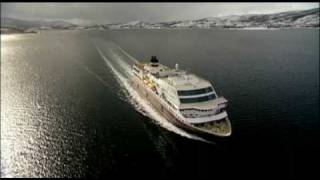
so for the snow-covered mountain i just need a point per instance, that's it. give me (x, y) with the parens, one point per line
(305, 18)
(127, 25)
(290, 19)
(25, 24)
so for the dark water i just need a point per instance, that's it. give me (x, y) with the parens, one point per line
(65, 114)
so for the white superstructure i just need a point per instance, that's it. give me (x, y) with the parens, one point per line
(190, 98)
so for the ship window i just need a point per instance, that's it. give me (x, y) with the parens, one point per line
(198, 99)
(195, 92)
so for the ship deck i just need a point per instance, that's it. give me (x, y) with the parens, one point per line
(221, 127)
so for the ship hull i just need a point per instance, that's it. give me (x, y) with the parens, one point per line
(162, 108)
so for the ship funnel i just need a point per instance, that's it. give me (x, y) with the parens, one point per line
(177, 67)
(154, 61)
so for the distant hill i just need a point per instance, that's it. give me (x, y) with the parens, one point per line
(25, 24)
(305, 18)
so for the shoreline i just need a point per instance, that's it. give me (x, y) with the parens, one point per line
(112, 29)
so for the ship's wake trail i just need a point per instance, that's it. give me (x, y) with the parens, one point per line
(119, 63)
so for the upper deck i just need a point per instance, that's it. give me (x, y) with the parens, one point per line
(179, 79)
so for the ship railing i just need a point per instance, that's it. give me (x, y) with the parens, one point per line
(213, 109)
(216, 117)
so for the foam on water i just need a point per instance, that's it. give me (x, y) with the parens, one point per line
(140, 104)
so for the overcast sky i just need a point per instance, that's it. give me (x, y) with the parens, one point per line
(149, 12)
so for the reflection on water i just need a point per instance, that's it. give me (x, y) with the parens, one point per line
(15, 37)
(36, 132)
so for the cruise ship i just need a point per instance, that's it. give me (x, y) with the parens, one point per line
(184, 99)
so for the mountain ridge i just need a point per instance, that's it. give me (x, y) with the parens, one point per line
(302, 18)
(288, 19)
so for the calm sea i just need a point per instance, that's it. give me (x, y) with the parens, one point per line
(68, 111)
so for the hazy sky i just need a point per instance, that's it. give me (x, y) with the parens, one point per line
(149, 12)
